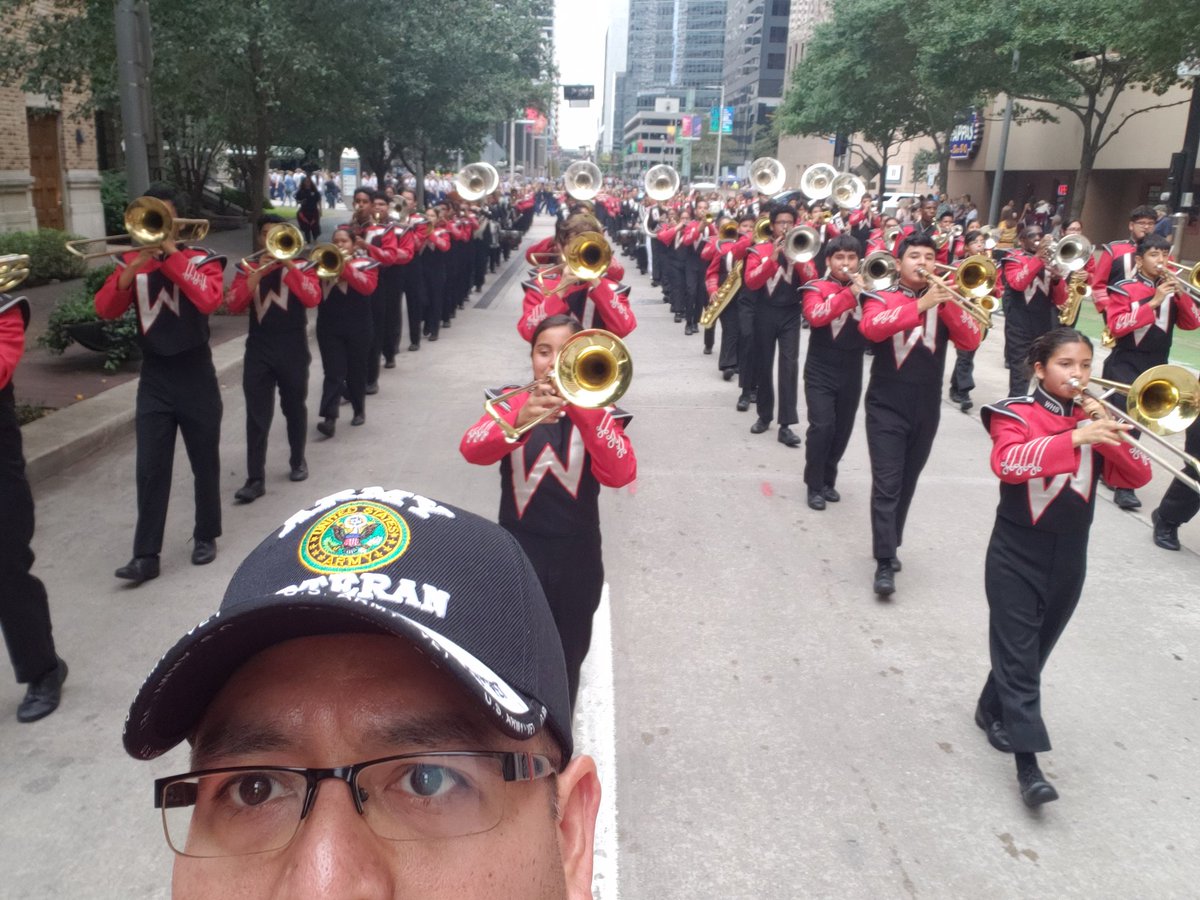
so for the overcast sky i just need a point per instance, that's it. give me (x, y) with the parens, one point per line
(579, 29)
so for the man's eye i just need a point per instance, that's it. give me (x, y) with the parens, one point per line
(252, 789)
(429, 781)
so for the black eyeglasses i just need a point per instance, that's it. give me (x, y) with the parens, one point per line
(414, 797)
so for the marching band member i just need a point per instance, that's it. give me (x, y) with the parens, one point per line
(777, 283)
(24, 611)
(390, 280)
(962, 376)
(435, 264)
(1180, 503)
(910, 327)
(1032, 297)
(747, 310)
(344, 333)
(550, 483)
(1115, 262)
(722, 256)
(1048, 455)
(411, 235)
(1143, 313)
(670, 234)
(375, 238)
(174, 289)
(550, 293)
(832, 367)
(280, 295)
(695, 267)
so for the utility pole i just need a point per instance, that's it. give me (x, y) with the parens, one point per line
(131, 76)
(998, 182)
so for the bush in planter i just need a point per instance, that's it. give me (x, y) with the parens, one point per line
(117, 337)
(47, 252)
(114, 196)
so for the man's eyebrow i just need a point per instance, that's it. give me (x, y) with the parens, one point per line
(234, 739)
(431, 732)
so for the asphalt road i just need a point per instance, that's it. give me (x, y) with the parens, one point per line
(778, 732)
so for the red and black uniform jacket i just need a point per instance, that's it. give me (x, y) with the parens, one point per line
(1138, 327)
(551, 476)
(525, 204)
(438, 239)
(910, 345)
(1045, 482)
(1114, 263)
(543, 252)
(1032, 292)
(833, 314)
(174, 298)
(381, 241)
(604, 304)
(721, 256)
(280, 304)
(777, 284)
(14, 317)
(344, 307)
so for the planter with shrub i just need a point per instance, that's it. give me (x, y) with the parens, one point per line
(74, 321)
(47, 252)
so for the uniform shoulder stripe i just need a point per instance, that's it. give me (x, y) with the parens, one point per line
(9, 302)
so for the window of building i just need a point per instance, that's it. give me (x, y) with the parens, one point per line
(774, 60)
(780, 7)
(777, 34)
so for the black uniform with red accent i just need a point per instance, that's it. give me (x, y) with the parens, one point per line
(24, 611)
(695, 267)
(776, 287)
(550, 484)
(1143, 333)
(903, 401)
(670, 236)
(832, 376)
(602, 304)
(1032, 296)
(1037, 556)
(435, 254)
(722, 256)
(385, 304)
(411, 237)
(344, 335)
(177, 385)
(276, 355)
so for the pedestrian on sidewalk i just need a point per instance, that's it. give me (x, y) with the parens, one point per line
(24, 611)
(308, 214)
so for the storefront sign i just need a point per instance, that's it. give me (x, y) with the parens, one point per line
(967, 136)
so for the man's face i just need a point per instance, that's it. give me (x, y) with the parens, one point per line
(380, 208)
(324, 702)
(928, 209)
(1139, 228)
(362, 205)
(945, 223)
(1153, 262)
(784, 222)
(915, 259)
(746, 226)
(842, 263)
(1031, 239)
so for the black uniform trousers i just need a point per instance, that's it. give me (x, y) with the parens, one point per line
(832, 387)
(902, 421)
(378, 303)
(177, 393)
(962, 376)
(730, 336)
(695, 290)
(1033, 580)
(344, 348)
(479, 253)
(747, 311)
(676, 281)
(778, 325)
(1018, 338)
(571, 572)
(390, 286)
(273, 361)
(24, 612)
(1180, 503)
(434, 266)
(657, 262)
(412, 285)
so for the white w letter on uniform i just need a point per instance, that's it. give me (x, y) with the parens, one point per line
(904, 341)
(1044, 491)
(149, 309)
(526, 485)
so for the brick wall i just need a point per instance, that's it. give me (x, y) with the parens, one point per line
(14, 135)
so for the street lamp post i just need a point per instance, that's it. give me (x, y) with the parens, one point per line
(512, 147)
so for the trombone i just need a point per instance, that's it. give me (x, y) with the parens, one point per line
(283, 242)
(586, 257)
(330, 261)
(1188, 280)
(800, 244)
(14, 269)
(149, 223)
(593, 369)
(728, 230)
(1162, 400)
(976, 275)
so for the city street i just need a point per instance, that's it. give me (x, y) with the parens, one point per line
(765, 727)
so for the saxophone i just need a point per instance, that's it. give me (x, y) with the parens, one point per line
(1078, 290)
(726, 292)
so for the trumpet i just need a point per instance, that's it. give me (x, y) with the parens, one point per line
(150, 223)
(14, 269)
(1162, 400)
(976, 275)
(284, 241)
(330, 261)
(593, 369)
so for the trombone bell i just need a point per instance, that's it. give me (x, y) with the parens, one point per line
(587, 256)
(149, 223)
(801, 244)
(330, 261)
(284, 241)
(880, 271)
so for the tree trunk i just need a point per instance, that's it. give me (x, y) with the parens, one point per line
(418, 170)
(883, 164)
(1087, 161)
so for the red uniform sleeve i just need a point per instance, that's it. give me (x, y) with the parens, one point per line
(1099, 281)
(880, 322)
(1127, 310)
(1021, 270)
(613, 460)
(711, 250)
(387, 252)
(440, 238)
(965, 332)
(1058, 291)
(203, 284)
(542, 252)
(760, 266)
(666, 234)
(1019, 455)
(1124, 466)
(239, 292)
(111, 302)
(538, 306)
(406, 247)
(363, 279)
(1186, 316)
(616, 271)
(485, 443)
(823, 303)
(712, 275)
(805, 273)
(12, 344)
(612, 303)
(304, 284)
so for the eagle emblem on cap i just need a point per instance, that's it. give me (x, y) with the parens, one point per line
(354, 537)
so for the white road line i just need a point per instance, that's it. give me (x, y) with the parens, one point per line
(596, 736)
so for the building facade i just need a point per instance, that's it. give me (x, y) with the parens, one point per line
(650, 140)
(756, 46)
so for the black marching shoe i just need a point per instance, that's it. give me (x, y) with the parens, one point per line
(759, 426)
(708, 352)
(389, 363)
(299, 471)
(678, 318)
(1166, 535)
(358, 419)
(43, 694)
(1035, 789)
(832, 496)
(139, 569)
(885, 578)
(789, 438)
(372, 388)
(327, 427)
(433, 337)
(1125, 498)
(815, 500)
(250, 491)
(203, 552)
(728, 374)
(896, 565)
(412, 348)
(743, 403)
(996, 733)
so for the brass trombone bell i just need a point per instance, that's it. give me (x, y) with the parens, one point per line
(593, 369)
(729, 230)
(817, 181)
(330, 260)
(14, 269)
(1070, 253)
(768, 175)
(283, 242)
(1187, 279)
(149, 223)
(583, 180)
(763, 231)
(587, 256)
(661, 183)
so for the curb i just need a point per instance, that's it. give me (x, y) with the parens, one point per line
(69, 435)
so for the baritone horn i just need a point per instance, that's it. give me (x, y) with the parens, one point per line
(768, 175)
(283, 242)
(880, 271)
(728, 230)
(476, 181)
(583, 180)
(14, 269)
(593, 369)
(149, 223)
(1162, 400)
(762, 230)
(661, 183)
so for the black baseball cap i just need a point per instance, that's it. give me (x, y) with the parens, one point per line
(377, 561)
